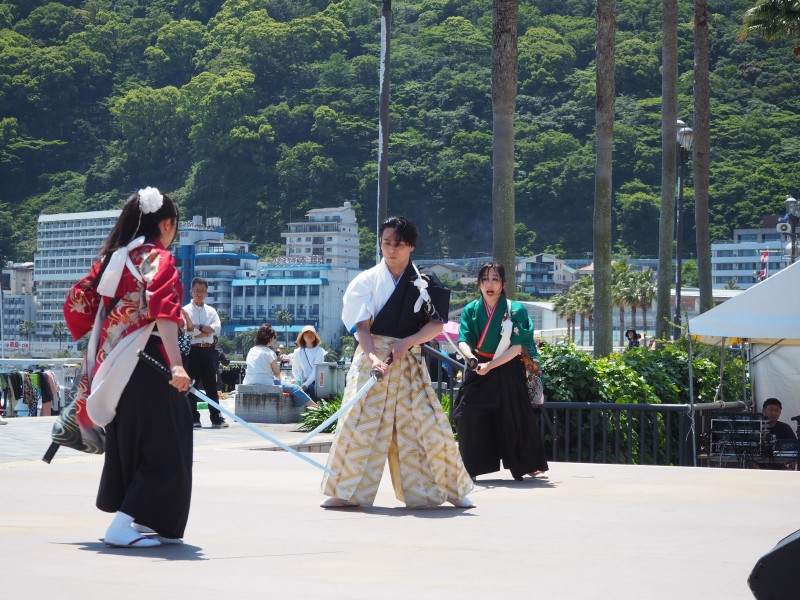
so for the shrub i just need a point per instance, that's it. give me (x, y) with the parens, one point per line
(638, 375)
(314, 416)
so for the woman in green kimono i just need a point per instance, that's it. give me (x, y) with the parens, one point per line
(494, 416)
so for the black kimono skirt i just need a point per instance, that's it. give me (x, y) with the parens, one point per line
(148, 461)
(495, 421)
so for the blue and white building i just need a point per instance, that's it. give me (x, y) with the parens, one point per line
(739, 262)
(309, 281)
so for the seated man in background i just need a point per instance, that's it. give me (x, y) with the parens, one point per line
(771, 409)
(785, 439)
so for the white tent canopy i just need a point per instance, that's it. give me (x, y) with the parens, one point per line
(767, 313)
(768, 317)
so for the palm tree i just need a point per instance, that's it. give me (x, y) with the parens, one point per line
(504, 100)
(645, 293)
(701, 163)
(245, 340)
(773, 20)
(604, 118)
(669, 131)
(27, 329)
(564, 309)
(622, 295)
(59, 332)
(285, 318)
(583, 294)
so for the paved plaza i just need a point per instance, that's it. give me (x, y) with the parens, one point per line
(256, 531)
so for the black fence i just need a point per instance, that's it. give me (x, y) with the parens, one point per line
(601, 432)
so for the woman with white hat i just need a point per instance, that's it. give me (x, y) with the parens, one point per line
(309, 352)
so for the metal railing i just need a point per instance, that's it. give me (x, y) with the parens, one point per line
(602, 432)
(641, 434)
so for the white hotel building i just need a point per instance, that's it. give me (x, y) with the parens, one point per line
(67, 247)
(309, 281)
(738, 262)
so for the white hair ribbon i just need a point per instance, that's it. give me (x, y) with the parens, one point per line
(113, 273)
(422, 286)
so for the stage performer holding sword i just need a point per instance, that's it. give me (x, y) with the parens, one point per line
(389, 307)
(493, 412)
(131, 301)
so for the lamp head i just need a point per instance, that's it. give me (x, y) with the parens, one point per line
(685, 138)
(792, 207)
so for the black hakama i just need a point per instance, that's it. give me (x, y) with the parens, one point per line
(148, 462)
(495, 421)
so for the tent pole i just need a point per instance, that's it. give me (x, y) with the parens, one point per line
(745, 364)
(720, 395)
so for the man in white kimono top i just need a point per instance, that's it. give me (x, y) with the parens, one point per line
(393, 310)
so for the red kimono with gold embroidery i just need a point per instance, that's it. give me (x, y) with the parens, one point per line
(147, 472)
(132, 312)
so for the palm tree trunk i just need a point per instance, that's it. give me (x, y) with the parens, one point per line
(633, 316)
(622, 326)
(604, 118)
(702, 151)
(669, 116)
(504, 100)
(583, 327)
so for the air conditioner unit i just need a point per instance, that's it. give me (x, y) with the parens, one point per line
(784, 228)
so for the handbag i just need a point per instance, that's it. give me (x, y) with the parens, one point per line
(532, 379)
(184, 342)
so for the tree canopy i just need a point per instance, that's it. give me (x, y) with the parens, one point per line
(259, 110)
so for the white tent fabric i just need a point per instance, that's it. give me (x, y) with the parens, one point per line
(767, 313)
(767, 316)
(774, 373)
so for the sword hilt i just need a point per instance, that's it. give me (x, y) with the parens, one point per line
(153, 363)
(376, 373)
(472, 363)
(157, 366)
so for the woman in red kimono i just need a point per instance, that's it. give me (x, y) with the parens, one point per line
(131, 300)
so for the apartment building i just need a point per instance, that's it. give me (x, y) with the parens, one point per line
(67, 246)
(751, 256)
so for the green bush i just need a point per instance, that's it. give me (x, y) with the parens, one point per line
(314, 416)
(638, 375)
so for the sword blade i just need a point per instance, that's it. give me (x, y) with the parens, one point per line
(153, 363)
(256, 430)
(344, 408)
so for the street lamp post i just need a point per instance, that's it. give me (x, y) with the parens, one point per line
(793, 212)
(684, 143)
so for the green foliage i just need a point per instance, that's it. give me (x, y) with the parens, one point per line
(638, 375)
(257, 111)
(314, 416)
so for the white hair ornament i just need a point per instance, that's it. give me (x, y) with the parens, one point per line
(150, 200)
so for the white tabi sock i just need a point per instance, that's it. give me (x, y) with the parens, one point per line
(121, 534)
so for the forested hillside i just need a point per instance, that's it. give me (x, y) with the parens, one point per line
(258, 110)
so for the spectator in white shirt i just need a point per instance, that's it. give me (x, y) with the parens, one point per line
(206, 326)
(307, 355)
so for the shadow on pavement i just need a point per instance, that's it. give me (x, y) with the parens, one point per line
(176, 552)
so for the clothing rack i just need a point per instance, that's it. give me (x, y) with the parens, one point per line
(35, 388)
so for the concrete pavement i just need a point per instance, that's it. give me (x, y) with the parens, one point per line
(255, 531)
